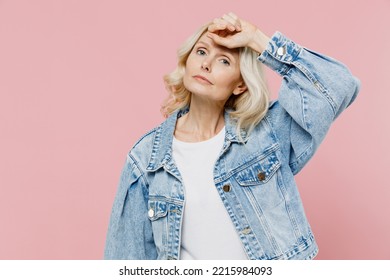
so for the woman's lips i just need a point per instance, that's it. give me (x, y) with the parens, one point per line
(202, 79)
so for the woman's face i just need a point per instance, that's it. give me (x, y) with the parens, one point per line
(213, 71)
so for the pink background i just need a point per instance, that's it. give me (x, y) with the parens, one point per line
(80, 81)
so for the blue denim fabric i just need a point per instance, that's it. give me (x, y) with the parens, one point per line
(263, 202)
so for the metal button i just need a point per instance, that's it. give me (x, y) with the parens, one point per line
(281, 51)
(226, 188)
(151, 213)
(246, 230)
(261, 176)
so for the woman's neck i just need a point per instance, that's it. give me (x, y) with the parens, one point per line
(203, 121)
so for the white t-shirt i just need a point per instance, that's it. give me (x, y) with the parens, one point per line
(208, 232)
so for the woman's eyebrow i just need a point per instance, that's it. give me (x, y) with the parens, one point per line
(223, 50)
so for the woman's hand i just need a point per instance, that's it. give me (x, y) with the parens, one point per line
(232, 32)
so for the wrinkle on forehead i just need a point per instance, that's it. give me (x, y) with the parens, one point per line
(208, 41)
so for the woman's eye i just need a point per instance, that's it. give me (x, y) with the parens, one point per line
(201, 52)
(225, 61)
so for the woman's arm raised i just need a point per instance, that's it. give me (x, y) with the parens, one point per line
(315, 88)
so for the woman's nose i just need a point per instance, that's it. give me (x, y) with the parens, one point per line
(206, 65)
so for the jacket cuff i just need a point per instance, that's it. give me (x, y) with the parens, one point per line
(280, 53)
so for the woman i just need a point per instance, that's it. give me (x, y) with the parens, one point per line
(216, 179)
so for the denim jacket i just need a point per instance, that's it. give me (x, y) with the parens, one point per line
(254, 178)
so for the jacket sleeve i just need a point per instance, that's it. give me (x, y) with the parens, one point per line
(129, 233)
(315, 90)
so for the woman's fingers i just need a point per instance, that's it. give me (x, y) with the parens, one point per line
(220, 24)
(233, 32)
(233, 19)
(219, 40)
(227, 21)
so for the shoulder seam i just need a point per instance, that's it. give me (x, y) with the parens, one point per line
(134, 161)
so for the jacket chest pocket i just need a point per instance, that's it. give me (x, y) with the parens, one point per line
(258, 179)
(165, 214)
(157, 214)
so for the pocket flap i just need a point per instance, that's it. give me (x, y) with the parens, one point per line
(258, 171)
(157, 209)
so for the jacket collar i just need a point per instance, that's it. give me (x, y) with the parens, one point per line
(162, 143)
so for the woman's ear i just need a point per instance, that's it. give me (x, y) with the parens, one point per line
(240, 88)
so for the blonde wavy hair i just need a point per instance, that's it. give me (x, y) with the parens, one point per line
(248, 108)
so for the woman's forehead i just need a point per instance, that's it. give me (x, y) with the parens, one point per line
(205, 40)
